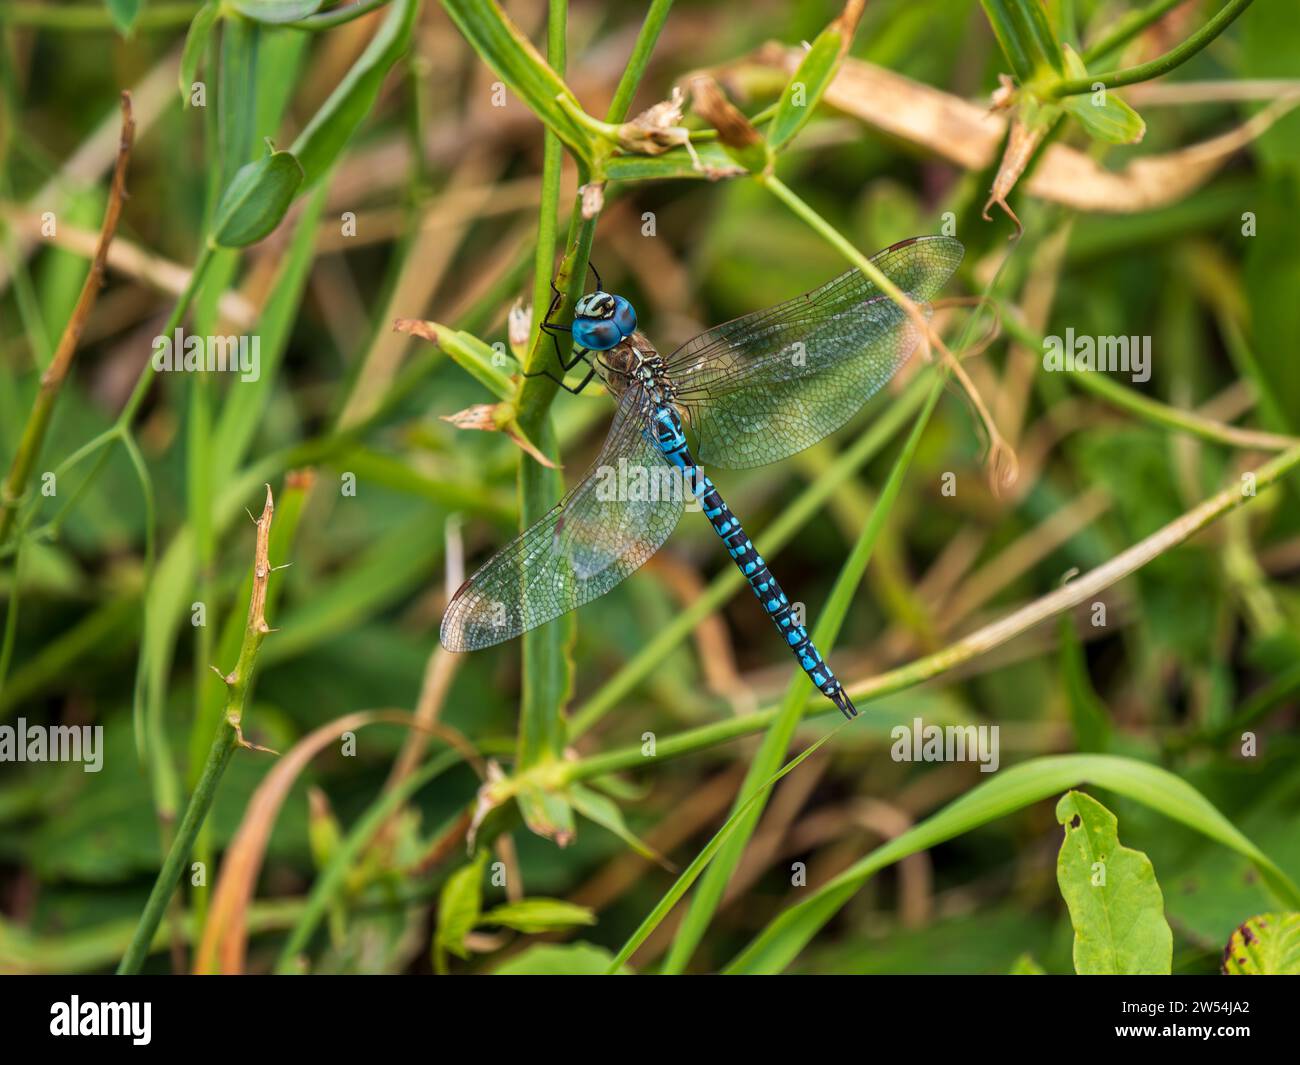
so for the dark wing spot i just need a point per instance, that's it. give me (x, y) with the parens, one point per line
(1076, 821)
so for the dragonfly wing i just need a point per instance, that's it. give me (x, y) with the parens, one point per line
(769, 384)
(605, 528)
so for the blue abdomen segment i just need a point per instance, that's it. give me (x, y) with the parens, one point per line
(671, 440)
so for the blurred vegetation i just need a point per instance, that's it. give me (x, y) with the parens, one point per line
(308, 174)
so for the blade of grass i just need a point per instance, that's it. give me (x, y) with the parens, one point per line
(1012, 789)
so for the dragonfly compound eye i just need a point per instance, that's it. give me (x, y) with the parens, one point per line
(595, 333)
(624, 316)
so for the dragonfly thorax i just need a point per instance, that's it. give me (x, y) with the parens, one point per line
(634, 360)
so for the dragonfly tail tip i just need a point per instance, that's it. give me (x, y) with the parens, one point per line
(842, 700)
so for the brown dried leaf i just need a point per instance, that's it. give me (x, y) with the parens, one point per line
(969, 135)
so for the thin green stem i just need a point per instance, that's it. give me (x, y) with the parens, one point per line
(1128, 27)
(637, 62)
(1114, 79)
(128, 413)
(1152, 410)
(327, 20)
(223, 746)
(228, 736)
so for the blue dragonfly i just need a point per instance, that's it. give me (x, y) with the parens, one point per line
(751, 391)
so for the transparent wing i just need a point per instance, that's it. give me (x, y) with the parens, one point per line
(761, 387)
(614, 519)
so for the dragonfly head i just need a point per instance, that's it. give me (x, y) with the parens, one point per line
(602, 320)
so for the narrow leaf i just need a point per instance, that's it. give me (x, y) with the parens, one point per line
(459, 906)
(816, 71)
(531, 916)
(276, 11)
(332, 126)
(196, 43)
(605, 812)
(508, 51)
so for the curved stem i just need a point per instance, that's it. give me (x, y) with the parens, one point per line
(1114, 79)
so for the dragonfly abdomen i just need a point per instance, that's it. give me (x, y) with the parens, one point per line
(672, 441)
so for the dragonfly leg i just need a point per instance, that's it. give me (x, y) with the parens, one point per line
(575, 389)
(600, 287)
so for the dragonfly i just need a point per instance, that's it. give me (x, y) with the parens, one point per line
(743, 394)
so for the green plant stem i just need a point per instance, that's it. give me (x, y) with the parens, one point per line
(1128, 27)
(223, 746)
(327, 20)
(636, 64)
(545, 667)
(141, 389)
(1114, 79)
(228, 736)
(1153, 410)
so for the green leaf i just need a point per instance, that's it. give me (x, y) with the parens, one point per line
(276, 11)
(124, 14)
(459, 905)
(324, 137)
(196, 42)
(1267, 945)
(605, 812)
(547, 814)
(539, 915)
(1012, 789)
(1101, 113)
(1014, 29)
(573, 959)
(1115, 903)
(258, 198)
(804, 91)
(508, 51)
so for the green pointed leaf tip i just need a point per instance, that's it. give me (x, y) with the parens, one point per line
(256, 201)
(1115, 903)
(459, 906)
(532, 916)
(124, 14)
(196, 43)
(1267, 945)
(805, 89)
(276, 11)
(1101, 113)
(323, 139)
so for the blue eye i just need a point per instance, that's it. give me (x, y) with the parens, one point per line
(624, 316)
(599, 334)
